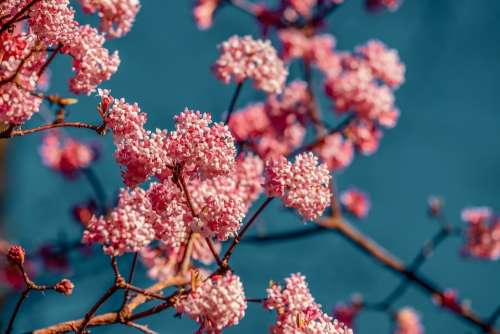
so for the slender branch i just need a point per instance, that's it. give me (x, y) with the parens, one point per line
(244, 6)
(17, 133)
(142, 328)
(19, 303)
(93, 310)
(240, 235)
(314, 111)
(494, 316)
(286, 236)
(214, 253)
(130, 279)
(234, 99)
(49, 60)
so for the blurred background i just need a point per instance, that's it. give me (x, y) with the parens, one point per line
(445, 144)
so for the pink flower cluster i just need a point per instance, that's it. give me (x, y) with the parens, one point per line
(53, 22)
(347, 313)
(355, 202)
(377, 5)
(482, 234)
(303, 185)
(19, 66)
(276, 127)
(244, 58)
(67, 156)
(117, 16)
(297, 311)
(217, 303)
(127, 228)
(408, 322)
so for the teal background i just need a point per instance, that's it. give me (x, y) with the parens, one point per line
(446, 143)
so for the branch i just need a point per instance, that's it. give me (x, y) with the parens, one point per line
(234, 99)
(10, 133)
(14, 19)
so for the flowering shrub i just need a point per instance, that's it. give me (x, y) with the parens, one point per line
(191, 193)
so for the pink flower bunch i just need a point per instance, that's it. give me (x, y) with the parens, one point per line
(200, 145)
(482, 234)
(244, 58)
(19, 67)
(217, 303)
(203, 12)
(303, 7)
(365, 136)
(117, 16)
(303, 185)
(297, 311)
(385, 63)
(127, 228)
(347, 313)
(276, 127)
(53, 22)
(67, 156)
(336, 151)
(408, 322)
(297, 45)
(355, 202)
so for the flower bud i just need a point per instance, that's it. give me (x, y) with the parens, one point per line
(65, 286)
(15, 255)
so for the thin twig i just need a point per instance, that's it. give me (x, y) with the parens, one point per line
(234, 99)
(17, 133)
(19, 303)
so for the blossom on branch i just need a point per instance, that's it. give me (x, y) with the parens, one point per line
(217, 303)
(244, 58)
(303, 185)
(355, 202)
(482, 236)
(203, 12)
(408, 322)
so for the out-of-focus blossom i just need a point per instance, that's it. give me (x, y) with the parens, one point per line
(365, 136)
(482, 236)
(449, 300)
(347, 313)
(336, 151)
(355, 202)
(65, 155)
(117, 16)
(377, 5)
(203, 12)
(53, 258)
(408, 322)
(83, 212)
(217, 303)
(303, 185)
(244, 58)
(65, 286)
(435, 206)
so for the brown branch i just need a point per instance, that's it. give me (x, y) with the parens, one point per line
(314, 112)
(391, 262)
(234, 99)
(214, 253)
(14, 18)
(19, 303)
(17, 133)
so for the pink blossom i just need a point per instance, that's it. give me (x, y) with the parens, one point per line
(449, 300)
(19, 67)
(200, 145)
(67, 156)
(303, 7)
(218, 302)
(482, 233)
(249, 122)
(347, 313)
(124, 119)
(355, 202)
(53, 21)
(244, 58)
(203, 12)
(161, 261)
(384, 62)
(408, 322)
(127, 228)
(303, 185)
(298, 313)
(336, 151)
(92, 63)
(315, 49)
(117, 16)
(365, 136)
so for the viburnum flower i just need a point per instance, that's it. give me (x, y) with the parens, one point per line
(346, 313)
(117, 16)
(244, 58)
(67, 156)
(19, 67)
(336, 151)
(217, 303)
(203, 12)
(384, 62)
(298, 313)
(408, 322)
(200, 145)
(355, 202)
(303, 185)
(365, 136)
(127, 228)
(315, 49)
(53, 21)
(482, 233)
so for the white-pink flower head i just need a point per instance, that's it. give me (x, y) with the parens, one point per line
(408, 322)
(336, 151)
(244, 58)
(482, 233)
(127, 228)
(203, 12)
(303, 185)
(219, 302)
(200, 145)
